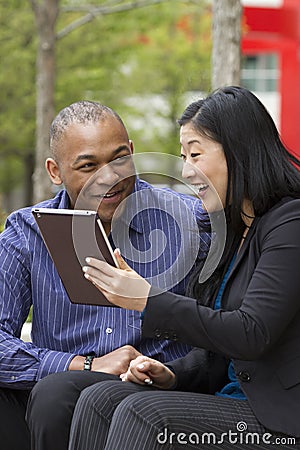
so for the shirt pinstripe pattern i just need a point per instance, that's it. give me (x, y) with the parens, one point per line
(60, 329)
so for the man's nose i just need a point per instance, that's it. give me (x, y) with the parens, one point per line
(107, 175)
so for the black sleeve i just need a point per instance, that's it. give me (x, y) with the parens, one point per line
(200, 371)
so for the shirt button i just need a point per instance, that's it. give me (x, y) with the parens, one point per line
(244, 376)
(108, 330)
(13, 378)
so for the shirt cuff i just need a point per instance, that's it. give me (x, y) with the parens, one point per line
(54, 362)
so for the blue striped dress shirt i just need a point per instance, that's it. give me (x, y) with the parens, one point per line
(158, 238)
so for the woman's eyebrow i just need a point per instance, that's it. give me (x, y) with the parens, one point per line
(194, 141)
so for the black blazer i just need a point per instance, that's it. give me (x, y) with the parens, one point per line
(258, 325)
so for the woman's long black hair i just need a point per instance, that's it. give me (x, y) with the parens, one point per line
(260, 168)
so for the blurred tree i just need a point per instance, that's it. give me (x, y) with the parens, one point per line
(171, 57)
(139, 63)
(46, 15)
(17, 53)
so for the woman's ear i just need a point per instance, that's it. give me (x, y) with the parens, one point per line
(53, 171)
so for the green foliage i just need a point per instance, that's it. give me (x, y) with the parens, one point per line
(140, 62)
(2, 220)
(17, 85)
(171, 57)
(11, 171)
(29, 318)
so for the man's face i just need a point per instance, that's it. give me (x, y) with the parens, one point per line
(96, 157)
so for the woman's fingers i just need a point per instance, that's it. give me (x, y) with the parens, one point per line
(141, 367)
(100, 272)
(124, 288)
(97, 277)
(103, 266)
(137, 372)
(149, 371)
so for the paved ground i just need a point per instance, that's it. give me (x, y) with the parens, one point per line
(25, 335)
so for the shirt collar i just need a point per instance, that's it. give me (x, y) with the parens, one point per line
(64, 202)
(133, 219)
(134, 222)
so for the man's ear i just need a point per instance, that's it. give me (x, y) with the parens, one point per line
(131, 146)
(53, 171)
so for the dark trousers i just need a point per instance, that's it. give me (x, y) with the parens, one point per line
(111, 416)
(51, 405)
(14, 433)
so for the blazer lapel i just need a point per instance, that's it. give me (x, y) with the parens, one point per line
(243, 250)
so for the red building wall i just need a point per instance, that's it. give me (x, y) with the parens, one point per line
(278, 30)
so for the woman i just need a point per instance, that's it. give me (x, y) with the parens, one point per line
(240, 385)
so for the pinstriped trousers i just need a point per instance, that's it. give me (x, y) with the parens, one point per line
(115, 415)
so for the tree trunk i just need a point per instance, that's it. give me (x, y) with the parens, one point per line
(28, 185)
(46, 13)
(226, 32)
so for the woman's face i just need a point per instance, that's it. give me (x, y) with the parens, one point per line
(204, 167)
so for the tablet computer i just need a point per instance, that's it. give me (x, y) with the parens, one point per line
(70, 236)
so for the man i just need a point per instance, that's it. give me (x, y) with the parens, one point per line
(90, 148)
